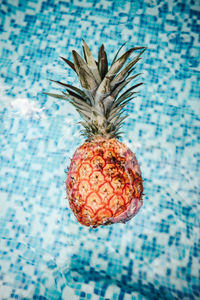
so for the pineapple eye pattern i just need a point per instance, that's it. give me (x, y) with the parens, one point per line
(104, 187)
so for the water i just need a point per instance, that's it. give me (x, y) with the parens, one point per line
(45, 253)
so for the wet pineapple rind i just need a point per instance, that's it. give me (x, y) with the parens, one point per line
(104, 183)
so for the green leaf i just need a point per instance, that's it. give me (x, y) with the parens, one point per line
(115, 68)
(114, 112)
(122, 98)
(108, 102)
(115, 57)
(119, 121)
(56, 96)
(124, 72)
(85, 125)
(120, 62)
(128, 93)
(83, 114)
(75, 95)
(91, 62)
(81, 103)
(125, 102)
(102, 113)
(75, 89)
(85, 75)
(133, 87)
(120, 86)
(102, 62)
(116, 117)
(81, 106)
(69, 63)
(103, 89)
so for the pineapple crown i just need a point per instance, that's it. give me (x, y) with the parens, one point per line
(100, 101)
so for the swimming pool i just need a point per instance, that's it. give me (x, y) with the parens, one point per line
(45, 253)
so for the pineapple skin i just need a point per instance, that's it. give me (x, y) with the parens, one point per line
(104, 183)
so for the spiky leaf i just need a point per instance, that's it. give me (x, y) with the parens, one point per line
(69, 63)
(120, 62)
(132, 88)
(115, 68)
(102, 62)
(115, 57)
(57, 96)
(85, 75)
(124, 72)
(120, 86)
(99, 103)
(73, 88)
(91, 62)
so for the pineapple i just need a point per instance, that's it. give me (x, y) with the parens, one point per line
(104, 182)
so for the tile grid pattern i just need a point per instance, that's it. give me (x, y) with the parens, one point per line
(44, 253)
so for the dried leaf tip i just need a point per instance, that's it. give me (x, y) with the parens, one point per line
(68, 62)
(102, 62)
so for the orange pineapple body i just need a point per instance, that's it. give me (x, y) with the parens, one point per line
(104, 183)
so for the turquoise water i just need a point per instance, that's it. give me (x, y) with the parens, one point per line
(44, 252)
